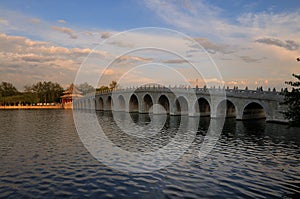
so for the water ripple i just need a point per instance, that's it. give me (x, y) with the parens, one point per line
(41, 156)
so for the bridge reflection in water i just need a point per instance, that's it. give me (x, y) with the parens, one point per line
(42, 156)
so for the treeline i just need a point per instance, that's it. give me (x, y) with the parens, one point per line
(111, 86)
(85, 88)
(41, 92)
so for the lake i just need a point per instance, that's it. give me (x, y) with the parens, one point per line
(42, 156)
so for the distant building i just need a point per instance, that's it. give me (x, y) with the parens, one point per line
(69, 95)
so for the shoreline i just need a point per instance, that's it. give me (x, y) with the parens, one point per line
(59, 106)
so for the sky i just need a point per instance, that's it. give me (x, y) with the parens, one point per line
(252, 43)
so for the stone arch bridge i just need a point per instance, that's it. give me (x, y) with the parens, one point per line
(241, 104)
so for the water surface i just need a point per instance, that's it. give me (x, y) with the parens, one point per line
(42, 156)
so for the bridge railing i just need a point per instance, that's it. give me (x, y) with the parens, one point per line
(230, 92)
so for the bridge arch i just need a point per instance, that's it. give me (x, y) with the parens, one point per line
(164, 101)
(226, 108)
(147, 103)
(93, 104)
(99, 103)
(254, 110)
(75, 105)
(203, 107)
(133, 103)
(89, 104)
(121, 103)
(181, 106)
(109, 103)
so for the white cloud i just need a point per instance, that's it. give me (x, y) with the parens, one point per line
(287, 44)
(249, 47)
(213, 47)
(68, 31)
(105, 35)
(35, 21)
(61, 21)
(17, 23)
(23, 59)
(239, 46)
(109, 72)
(195, 16)
(3, 21)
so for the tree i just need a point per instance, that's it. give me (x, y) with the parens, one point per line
(103, 88)
(7, 89)
(113, 85)
(22, 98)
(85, 88)
(292, 100)
(9, 95)
(47, 91)
(28, 89)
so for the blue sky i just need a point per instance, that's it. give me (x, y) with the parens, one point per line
(254, 43)
(116, 15)
(122, 15)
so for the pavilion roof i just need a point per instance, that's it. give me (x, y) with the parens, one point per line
(73, 96)
(72, 90)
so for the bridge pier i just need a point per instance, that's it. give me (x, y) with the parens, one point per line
(239, 104)
(239, 116)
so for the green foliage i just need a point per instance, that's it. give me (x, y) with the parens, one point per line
(7, 89)
(46, 91)
(22, 98)
(292, 100)
(85, 88)
(41, 92)
(103, 88)
(113, 85)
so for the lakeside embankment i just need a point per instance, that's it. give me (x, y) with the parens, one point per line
(57, 106)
